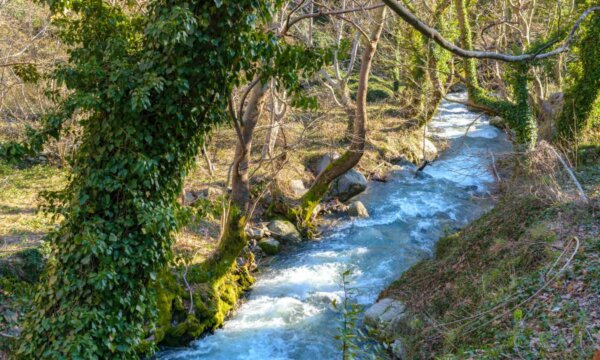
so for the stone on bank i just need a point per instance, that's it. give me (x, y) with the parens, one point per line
(270, 246)
(284, 231)
(350, 184)
(358, 209)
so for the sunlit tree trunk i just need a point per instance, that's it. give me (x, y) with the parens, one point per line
(354, 153)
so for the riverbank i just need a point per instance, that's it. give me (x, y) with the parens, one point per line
(521, 282)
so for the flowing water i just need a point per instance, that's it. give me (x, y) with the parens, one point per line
(288, 314)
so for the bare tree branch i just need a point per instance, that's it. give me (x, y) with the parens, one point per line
(433, 34)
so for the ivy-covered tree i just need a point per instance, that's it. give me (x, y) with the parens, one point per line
(582, 98)
(149, 86)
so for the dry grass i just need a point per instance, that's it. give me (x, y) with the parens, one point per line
(21, 225)
(494, 289)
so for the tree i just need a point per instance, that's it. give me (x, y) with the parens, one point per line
(519, 113)
(352, 156)
(150, 87)
(582, 98)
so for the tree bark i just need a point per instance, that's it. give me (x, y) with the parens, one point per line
(240, 181)
(355, 151)
(433, 34)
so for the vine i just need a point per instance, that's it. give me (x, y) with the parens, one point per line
(149, 87)
(582, 98)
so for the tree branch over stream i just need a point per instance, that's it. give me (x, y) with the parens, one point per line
(433, 34)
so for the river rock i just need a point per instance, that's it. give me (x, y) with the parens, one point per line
(403, 162)
(431, 150)
(458, 88)
(297, 187)
(270, 246)
(325, 161)
(498, 122)
(284, 231)
(357, 209)
(422, 175)
(346, 186)
(388, 316)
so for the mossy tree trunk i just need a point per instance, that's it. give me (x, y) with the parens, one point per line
(518, 113)
(582, 99)
(355, 151)
(233, 239)
(219, 280)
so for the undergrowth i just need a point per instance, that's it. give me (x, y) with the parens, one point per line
(521, 282)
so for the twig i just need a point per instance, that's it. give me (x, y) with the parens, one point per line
(572, 175)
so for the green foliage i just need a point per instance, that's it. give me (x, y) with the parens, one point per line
(354, 342)
(380, 89)
(349, 312)
(582, 98)
(149, 87)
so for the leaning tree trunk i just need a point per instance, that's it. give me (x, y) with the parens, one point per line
(233, 238)
(354, 153)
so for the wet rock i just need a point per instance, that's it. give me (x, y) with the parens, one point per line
(349, 185)
(357, 209)
(431, 150)
(298, 188)
(471, 188)
(284, 231)
(498, 122)
(270, 246)
(388, 316)
(380, 176)
(458, 88)
(346, 186)
(405, 163)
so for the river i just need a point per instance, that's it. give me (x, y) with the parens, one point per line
(288, 314)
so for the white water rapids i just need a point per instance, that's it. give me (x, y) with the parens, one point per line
(288, 313)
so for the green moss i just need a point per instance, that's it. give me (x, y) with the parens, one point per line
(216, 285)
(582, 99)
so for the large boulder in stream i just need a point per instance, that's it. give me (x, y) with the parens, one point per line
(346, 186)
(284, 231)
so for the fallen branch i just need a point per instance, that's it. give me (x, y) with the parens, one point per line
(584, 198)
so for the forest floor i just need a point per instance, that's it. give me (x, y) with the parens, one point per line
(522, 282)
